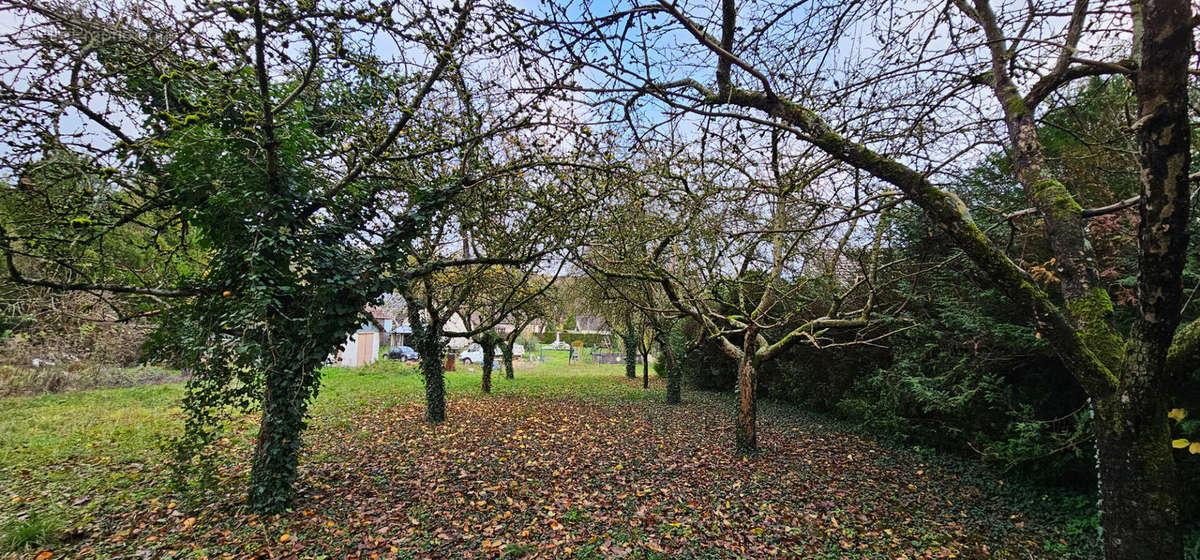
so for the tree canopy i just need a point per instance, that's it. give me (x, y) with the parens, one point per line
(752, 180)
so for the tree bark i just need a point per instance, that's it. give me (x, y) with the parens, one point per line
(1139, 513)
(630, 352)
(645, 370)
(433, 370)
(747, 418)
(674, 384)
(674, 370)
(506, 350)
(489, 357)
(427, 337)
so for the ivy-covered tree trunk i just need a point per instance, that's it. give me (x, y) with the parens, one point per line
(673, 369)
(506, 352)
(488, 341)
(630, 352)
(674, 383)
(277, 448)
(427, 338)
(433, 369)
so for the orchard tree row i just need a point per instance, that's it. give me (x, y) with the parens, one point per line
(754, 179)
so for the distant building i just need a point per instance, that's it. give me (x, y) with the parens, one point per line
(361, 347)
(590, 324)
(381, 332)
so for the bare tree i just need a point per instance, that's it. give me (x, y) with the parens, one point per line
(762, 257)
(925, 87)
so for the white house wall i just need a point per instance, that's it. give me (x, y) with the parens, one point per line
(350, 352)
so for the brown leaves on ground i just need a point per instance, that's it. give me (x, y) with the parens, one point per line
(537, 478)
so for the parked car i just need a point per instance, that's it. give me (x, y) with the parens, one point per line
(474, 353)
(402, 353)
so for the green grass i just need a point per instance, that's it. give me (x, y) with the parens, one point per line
(36, 530)
(83, 453)
(122, 425)
(116, 423)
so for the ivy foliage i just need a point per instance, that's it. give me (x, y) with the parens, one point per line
(488, 341)
(289, 204)
(629, 340)
(281, 291)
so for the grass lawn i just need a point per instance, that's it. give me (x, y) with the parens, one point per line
(566, 461)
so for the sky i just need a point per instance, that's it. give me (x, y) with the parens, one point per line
(676, 55)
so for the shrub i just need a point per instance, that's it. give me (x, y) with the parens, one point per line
(975, 379)
(659, 366)
(706, 367)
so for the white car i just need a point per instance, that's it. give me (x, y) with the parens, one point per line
(474, 353)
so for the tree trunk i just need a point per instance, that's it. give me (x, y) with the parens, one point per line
(1139, 513)
(277, 450)
(747, 418)
(434, 372)
(506, 350)
(427, 337)
(489, 357)
(674, 371)
(630, 352)
(645, 370)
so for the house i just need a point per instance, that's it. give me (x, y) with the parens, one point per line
(362, 347)
(395, 331)
(383, 330)
(456, 324)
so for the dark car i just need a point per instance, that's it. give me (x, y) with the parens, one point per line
(402, 353)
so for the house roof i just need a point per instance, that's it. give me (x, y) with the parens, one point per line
(378, 314)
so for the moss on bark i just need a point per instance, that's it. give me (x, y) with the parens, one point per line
(1093, 314)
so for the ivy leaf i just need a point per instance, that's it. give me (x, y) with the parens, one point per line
(1177, 414)
(1180, 443)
